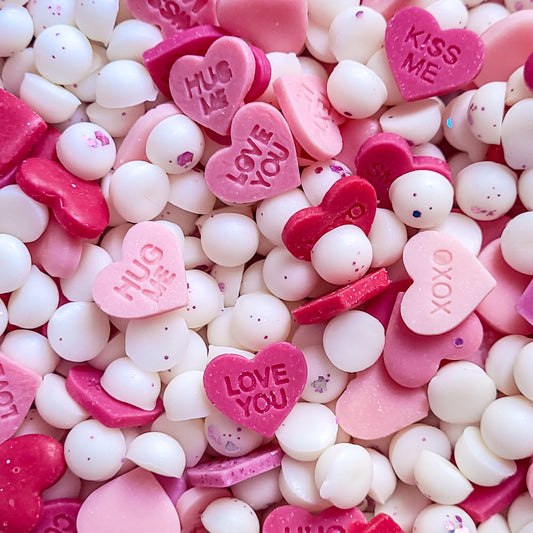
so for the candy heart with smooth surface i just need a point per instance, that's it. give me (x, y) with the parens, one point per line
(211, 89)
(426, 60)
(28, 465)
(350, 200)
(257, 393)
(150, 277)
(59, 516)
(261, 161)
(448, 283)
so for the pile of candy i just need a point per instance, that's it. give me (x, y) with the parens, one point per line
(266, 266)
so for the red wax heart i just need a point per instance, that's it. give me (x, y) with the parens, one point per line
(426, 60)
(385, 156)
(350, 200)
(381, 523)
(257, 393)
(28, 465)
(59, 516)
(78, 205)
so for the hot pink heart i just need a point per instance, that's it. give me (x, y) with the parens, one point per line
(261, 161)
(211, 89)
(426, 60)
(257, 393)
(149, 279)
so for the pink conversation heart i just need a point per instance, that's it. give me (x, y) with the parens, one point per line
(293, 519)
(448, 283)
(412, 360)
(261, 161)
(211, 89)
(150, 277)
(134, 501)
(304, 102)
(374, 405)
(257, 393)
(385, 156)
(18, 386)
(426, 60)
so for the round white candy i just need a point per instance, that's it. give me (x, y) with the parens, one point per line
(176, 144)
(194, 255)
(517, 89)
(520, 512)
(14, 69)
(139, 190)
(118, 121)
(343, 474)
(62, 54)
(94, 451)
(96, 18)
(318, 178)
(448, 517)
(516, 135)
(449, 13)
(421, 198)
(450, 392)
(15, 263)
(3, 317)
(496, 523)
(131, 38)
(189, 191)
(485, 113)
(388, 236)
(252, 278)
(516, 241)
(522, 370)
(507, 427)
(128, 383)
(485, 190)
(525, 188)
(324, 12)
(479, 464)
(230, 514)
(317, 42)
(185, 398)
(219, 330)
(307, 431)
(34, 423)
(482, 17)
(383, 478)
(16, 28)
(354, 90)
(380, 65)
(260, 319)
(339, 343)
(229, 281)
(260, 491)
(342, 255)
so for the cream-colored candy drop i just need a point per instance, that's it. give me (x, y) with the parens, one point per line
(516, 241)
(520, 512)
(388, 236)
(383, 478)
(517, 135)
(522, 370)
(485, 112)
(443, 514)
(131, 38)
(185, 398)
(230, 514)
(495, 524)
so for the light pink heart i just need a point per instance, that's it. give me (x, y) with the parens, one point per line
(149, 279)
(257, 393)
(211, 89)
(261, 161)
(448, 283)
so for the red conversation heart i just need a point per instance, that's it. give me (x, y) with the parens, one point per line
(385, 156)
(426, 60)
(257, 393)
(381, 523)
(211, 89)
(261, 161)
(78, 205)
(293, 519)
(28, 465)
(350, 200)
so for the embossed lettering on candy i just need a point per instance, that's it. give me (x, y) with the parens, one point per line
(426, 60)
(448, 283)
(149, 279)
(261, 161)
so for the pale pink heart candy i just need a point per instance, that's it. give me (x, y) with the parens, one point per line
(211, 89)
(149, 279)
(261, 161)
(448, 283)
(132, 502)
(18, 386)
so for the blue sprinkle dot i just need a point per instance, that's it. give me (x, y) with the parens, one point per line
(417, 214)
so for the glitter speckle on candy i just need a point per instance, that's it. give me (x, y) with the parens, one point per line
(265, 266)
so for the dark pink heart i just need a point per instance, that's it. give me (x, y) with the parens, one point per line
(257, 393)
(426, 60)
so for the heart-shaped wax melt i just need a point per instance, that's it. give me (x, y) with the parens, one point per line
(18, 386)
(448, 283)
(211, 89)
(83, 384)
(385, 156)
(381, 523)
(257, 393)
(134, 501)
(174, 16)
(426, 60)
(261, 161)
(59, 516)
(374, 405)
(78, 205)
(412, 360)
(293, 519)
(350, 200)
(150, 277)
(28, 465)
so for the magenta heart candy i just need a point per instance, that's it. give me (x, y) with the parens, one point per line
(257, 393)
(426, 60)
(59, 516)
(261, 161)
(211, 89)
(293, 519)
